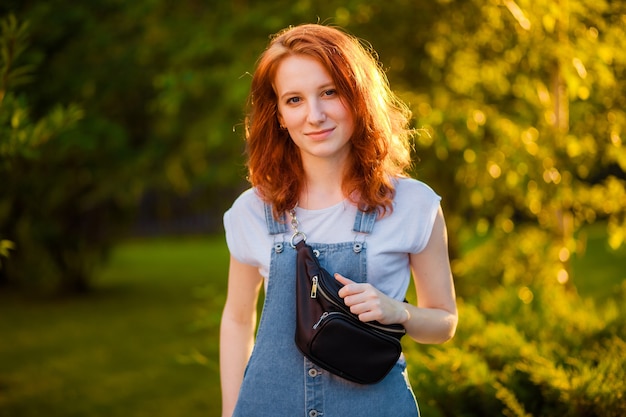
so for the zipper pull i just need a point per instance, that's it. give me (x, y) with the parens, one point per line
(322, 317)
(314, 287)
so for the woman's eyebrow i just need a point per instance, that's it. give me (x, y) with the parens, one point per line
(295, 93)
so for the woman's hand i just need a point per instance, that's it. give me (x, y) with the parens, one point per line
(371, 304)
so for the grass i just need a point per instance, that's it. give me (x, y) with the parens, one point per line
(144, 343)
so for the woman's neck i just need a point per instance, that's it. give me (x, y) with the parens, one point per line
(323, 184)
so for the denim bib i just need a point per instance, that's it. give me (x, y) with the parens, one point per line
(279, 381)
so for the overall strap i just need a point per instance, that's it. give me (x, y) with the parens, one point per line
(275, 227)
(364, 222)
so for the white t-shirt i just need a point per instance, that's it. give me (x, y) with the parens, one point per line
(394, 237)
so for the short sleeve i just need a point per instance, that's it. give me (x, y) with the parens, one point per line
(245, 228)
(415, 212)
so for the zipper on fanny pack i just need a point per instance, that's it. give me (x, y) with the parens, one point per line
(314, 286)
(322, 317)
(378, 329)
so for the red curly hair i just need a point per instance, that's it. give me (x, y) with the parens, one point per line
(380, 142)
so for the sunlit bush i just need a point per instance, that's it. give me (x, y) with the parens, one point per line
(554, 355)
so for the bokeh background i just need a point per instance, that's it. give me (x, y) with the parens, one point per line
(121, 145)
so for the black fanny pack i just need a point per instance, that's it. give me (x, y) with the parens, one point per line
(331, 336)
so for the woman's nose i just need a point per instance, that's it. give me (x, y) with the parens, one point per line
(316, 113)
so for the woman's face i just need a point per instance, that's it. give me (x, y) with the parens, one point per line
(311, 109)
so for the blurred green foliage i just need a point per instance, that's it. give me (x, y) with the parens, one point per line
(554, 356)
(522, 105)
(521, 108)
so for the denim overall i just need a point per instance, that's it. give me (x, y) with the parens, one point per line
(279, 381)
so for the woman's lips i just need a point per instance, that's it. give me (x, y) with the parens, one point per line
(320, 134)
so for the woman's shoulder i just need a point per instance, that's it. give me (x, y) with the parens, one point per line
(412, 190)
(415, 207)
(247, 198)
(245, 228)
(248, 204)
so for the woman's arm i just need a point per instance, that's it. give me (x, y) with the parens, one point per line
(237, 329)
(435, 317)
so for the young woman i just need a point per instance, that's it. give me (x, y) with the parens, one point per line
(326, 136)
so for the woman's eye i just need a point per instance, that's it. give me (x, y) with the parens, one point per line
(293, 100)
(331, 92)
